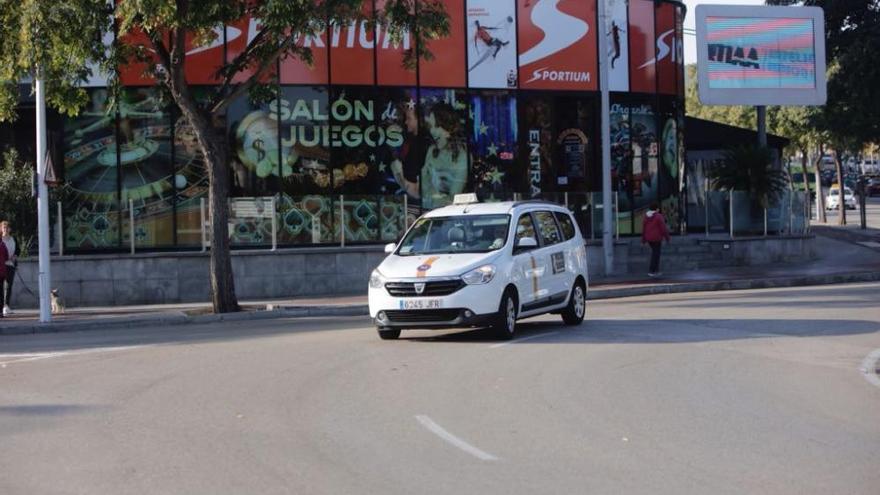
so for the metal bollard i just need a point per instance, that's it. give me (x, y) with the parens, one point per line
(274, 226)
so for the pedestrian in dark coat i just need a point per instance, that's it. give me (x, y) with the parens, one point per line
(654, 231)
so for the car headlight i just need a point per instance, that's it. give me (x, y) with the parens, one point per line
(376, 280)
(481, 275)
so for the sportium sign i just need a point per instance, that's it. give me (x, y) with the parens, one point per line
(557, 45)
(760, 55)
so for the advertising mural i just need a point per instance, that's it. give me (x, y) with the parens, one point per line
(645, 160)
(444, 117)
(668, 49)
(448, 66)
(390, 55)
(537, 123)
(352, 50)
(491, 35)
(618, 44)
(642, 43)
(494, 133)
(621, 164)
(557, 45)
(295, 71)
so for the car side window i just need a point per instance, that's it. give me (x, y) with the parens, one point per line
(525, 227)
(565, 224)
(547, 228)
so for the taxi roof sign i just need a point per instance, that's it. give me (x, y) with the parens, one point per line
(465, 199)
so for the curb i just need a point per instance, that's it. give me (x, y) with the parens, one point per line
(180, 318)
(736, 284)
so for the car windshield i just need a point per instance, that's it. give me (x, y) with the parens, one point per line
(459, 234)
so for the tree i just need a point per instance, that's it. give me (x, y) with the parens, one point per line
(61, 42)
(750, 168)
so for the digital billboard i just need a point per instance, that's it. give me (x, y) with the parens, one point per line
(760, 55)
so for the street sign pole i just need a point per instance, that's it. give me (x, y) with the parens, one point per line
(607, 204)
(42, 205)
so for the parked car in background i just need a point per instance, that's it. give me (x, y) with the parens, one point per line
(832, 201)
(872, 188)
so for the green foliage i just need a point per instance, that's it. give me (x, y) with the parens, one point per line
(750, 168)
(16, 203)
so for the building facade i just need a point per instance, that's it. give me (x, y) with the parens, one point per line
(351, 144)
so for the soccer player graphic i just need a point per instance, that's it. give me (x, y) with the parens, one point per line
(615, 42)
(492, 44)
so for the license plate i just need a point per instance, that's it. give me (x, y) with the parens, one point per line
(421, 304)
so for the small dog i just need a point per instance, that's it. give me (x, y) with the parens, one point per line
(57, 302)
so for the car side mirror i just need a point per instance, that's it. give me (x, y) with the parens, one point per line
(389, 248)
(525, 243)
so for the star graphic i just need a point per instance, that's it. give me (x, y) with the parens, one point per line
(495, 176)
(492, 149)
(382, 166)
(484, 130)
(411, 104)
(372, 157)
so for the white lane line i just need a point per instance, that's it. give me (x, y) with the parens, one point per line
(869, 367)
(12, 358)
(496, 346)
(454, 440)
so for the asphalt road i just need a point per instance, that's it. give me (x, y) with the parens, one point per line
(731, 392)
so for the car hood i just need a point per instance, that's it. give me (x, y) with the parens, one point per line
(433, 265)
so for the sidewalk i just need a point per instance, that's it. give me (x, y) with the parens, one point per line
(839, 262)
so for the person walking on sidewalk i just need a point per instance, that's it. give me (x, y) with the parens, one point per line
(4, 257)
(654, 231)
(11, 263)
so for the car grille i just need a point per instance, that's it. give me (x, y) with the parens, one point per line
(422, 315)
(432, 289)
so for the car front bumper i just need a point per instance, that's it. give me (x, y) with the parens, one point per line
(471, 305)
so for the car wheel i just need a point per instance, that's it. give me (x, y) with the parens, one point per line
(388, 334)
(573, 314)
(505, 327)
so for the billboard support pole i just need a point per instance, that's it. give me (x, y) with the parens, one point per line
(761, 112)
(607, 205)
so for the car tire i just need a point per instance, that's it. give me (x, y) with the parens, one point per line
(505, 326)
(388, 333)
(574, 313)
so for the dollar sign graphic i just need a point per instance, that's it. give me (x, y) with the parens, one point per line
(258, 147)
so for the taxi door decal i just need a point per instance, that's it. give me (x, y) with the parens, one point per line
(534, 277)
(424, 267)
(557, 260)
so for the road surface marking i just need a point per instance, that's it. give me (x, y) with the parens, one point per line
(24, 357)
(869, 367)
(495, 346)
(454, 440)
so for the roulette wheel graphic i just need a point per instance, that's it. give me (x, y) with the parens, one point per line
(103, 176)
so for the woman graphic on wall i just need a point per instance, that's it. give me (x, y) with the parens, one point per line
(444, 173)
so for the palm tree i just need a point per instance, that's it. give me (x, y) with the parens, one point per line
(750, 168)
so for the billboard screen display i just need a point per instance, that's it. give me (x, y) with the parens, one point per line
(761, 55)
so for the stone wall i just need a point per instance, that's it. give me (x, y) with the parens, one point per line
(156, 278)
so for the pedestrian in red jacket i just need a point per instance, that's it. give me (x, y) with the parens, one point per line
(4, 257)
(653, 232)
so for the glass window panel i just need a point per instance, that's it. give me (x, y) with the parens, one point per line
(547, 228)
(493, 135)
(191, 176)
(444, 120)
(146, 168)
(89, 197)
(303, 115)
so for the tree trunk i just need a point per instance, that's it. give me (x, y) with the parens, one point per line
(216, 152)
(820, 199)
(841, 204)
(804, 162)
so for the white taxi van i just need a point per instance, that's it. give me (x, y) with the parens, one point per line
(481, 264)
